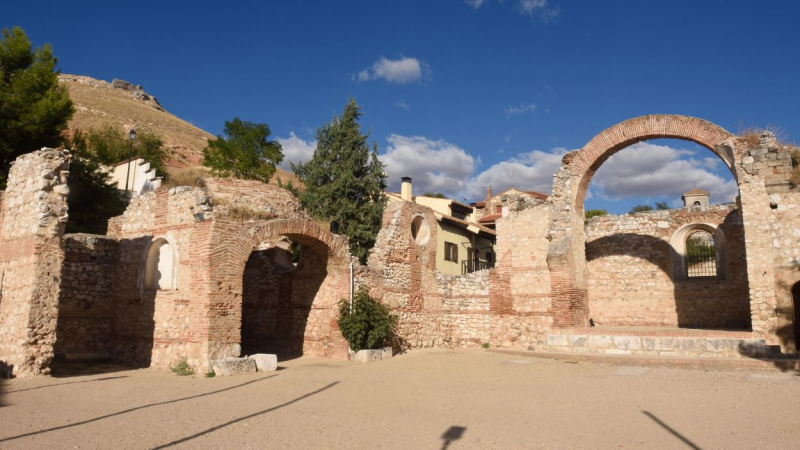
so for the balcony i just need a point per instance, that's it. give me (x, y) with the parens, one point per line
(470, 266)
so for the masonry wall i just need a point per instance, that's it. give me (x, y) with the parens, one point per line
(631, 280)
(85, 307)
(33, 213)
(440, 310)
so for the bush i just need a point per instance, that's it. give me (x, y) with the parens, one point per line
(182, 368)
(370, 326)
(211, 374)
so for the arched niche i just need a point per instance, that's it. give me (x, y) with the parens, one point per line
(161, 265)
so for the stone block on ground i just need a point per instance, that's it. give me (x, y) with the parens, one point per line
(265, 362)
(386, 353)
(233, 366)
(365, 356)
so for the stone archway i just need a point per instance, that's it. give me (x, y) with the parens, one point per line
(566, 257)
(233, 245)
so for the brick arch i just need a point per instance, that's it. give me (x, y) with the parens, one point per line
(306, 231)
(584, 163)
(566, 256)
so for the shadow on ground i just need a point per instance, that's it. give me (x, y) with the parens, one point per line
(151, 405)
(672, 431)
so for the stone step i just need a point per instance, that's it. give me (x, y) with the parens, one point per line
(738, 363)
(658, 344)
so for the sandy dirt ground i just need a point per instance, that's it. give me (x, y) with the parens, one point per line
(433, 399)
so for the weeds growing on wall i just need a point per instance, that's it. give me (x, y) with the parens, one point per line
(190, 176)
(370, 325)
(182, 367)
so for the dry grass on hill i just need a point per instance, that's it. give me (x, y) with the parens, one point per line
(97, 106)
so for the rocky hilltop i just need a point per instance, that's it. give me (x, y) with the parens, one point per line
(125, 104)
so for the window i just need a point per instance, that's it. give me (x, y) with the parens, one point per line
(458, 214)
(489, 258)
(701, 255)
(697, 203)
(499, 209)
(450, 252)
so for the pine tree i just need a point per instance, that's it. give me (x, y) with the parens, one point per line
(244, 153)
(344, 181)
(34, 108)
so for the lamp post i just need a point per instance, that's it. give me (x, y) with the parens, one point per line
(132, 135)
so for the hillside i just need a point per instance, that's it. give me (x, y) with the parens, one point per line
(120, 103)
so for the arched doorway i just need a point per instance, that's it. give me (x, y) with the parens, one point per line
(292, 282)
(566, 256)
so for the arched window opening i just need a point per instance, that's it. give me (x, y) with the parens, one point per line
(696, 203)
(160, 266)
(701, 255)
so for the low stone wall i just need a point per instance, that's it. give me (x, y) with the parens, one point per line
(86, 309)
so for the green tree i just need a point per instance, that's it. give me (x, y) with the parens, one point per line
(111, 145)
(434, 195)
(344, 181)
(34, 108)
(595, 212)
(93, 197)
(244, 153)
(662, 206)
(640, 208)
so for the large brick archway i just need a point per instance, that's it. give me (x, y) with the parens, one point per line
(566, 253)
(324, 283)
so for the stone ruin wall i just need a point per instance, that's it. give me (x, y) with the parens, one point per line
(631, 280)
(33, 213)
(438, 310)
(85, 307)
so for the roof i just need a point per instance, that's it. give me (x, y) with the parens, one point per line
(463, 205)
(536, 194)
(464, 222)
(696, 192)
(480, 204)
(490, 218)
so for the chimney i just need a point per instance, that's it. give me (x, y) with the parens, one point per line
(405, 189)
(488, 193)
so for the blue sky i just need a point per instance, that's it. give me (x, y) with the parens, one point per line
(458, 94)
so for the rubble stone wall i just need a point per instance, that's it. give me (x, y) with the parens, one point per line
(438, 310)
(632, 281)
(33, 213)
(85, 307)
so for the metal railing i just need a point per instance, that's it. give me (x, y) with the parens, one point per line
(470, 266)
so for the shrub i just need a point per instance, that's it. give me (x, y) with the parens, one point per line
(486, 345)
(370, 325)
(211, 374)
(182, 367)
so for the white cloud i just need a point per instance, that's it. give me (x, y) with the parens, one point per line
(403, 105)
(525, 7)
(650, 170)
(475, 3)
(295, 150)
(527, 171)
(521, 109)
(435, 166)
(401, 71)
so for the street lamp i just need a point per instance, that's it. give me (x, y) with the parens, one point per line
(132, 135)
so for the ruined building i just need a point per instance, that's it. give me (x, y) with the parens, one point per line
(236, 267)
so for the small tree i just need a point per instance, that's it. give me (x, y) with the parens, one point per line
(93, 197)
(640, 208)
(370, 325)
(595, 212)
(434, 195)
(244, 153)
(344, 181)
(34, 108)
(662, 206)
(111, 145)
